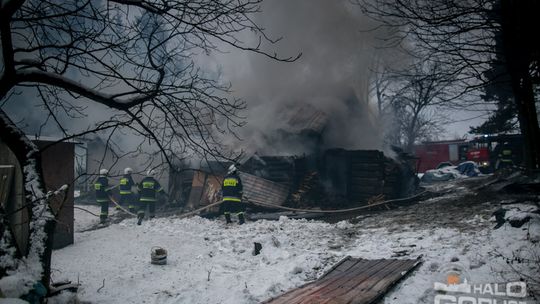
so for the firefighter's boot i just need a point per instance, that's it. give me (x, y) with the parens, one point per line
(140, 217)
(103, 217)
(228, 218)
(241, 219)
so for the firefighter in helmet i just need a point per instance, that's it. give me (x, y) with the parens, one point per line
(149, 187)
(127, 197)
(505, 157)
(103, 192)
(232, 196)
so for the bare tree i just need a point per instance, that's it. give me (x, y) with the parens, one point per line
(414, 99)
(459, 35)
(382, 78)
(136, 58)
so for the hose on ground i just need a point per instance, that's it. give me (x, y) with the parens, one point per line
(293, 209)
(339, 210)
(92, 213)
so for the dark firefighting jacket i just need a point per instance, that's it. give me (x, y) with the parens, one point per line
(506, 155)
(232, 188)
(126, 184)
(102, 189)
(148, 188)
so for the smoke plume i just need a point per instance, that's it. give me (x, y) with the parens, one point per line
(332, 76)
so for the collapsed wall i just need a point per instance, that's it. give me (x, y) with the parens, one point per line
(333, 179)
(363, 175)
(338, 177)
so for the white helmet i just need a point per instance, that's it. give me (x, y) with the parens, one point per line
(128, 170)
(151, 173)
(103, 172)
(232, 169)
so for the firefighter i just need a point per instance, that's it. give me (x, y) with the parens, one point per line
(505, 159)
(232, 196)
(149, 187)
(103, 192)
(127, 197)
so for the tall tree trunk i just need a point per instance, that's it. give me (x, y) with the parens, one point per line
(35, 267)
(528, 121)
(412, 132)
(518, 17)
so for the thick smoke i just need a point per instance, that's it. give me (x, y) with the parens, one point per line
(332, 76)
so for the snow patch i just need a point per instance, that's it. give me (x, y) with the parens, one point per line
(211, 262)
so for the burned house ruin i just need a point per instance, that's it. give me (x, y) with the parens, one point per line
(325, 178)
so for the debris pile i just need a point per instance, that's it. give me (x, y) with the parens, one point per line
(309, 192)
(318, 177)
(331, 179)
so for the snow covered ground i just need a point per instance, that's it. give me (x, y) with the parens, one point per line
(209, 262)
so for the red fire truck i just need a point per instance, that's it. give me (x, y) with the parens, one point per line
(484, 150)
(479, 150)
(431, 154)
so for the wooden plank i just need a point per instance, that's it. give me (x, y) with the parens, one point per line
(356, 275)
(324, 285)
(344, 265)
(350, 292)
(260, 190)
(323, 289)
(377, 290)
(353, 280)
(6, 178)
(356, 281)
(313, 291)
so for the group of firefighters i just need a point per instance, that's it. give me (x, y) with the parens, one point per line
(149, 189)
(232, 191)
(146, 198)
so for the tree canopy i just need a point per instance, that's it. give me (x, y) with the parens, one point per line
(461, 37)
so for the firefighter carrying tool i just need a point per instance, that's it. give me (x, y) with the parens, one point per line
(232, 196)
(148, 189)
(103, 191)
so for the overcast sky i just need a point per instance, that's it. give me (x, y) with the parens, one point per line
(335, 67)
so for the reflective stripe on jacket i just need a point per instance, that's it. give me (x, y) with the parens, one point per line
(506, 155)
(148, 188)
(126, 183)
(232, 188)
(101, 186)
